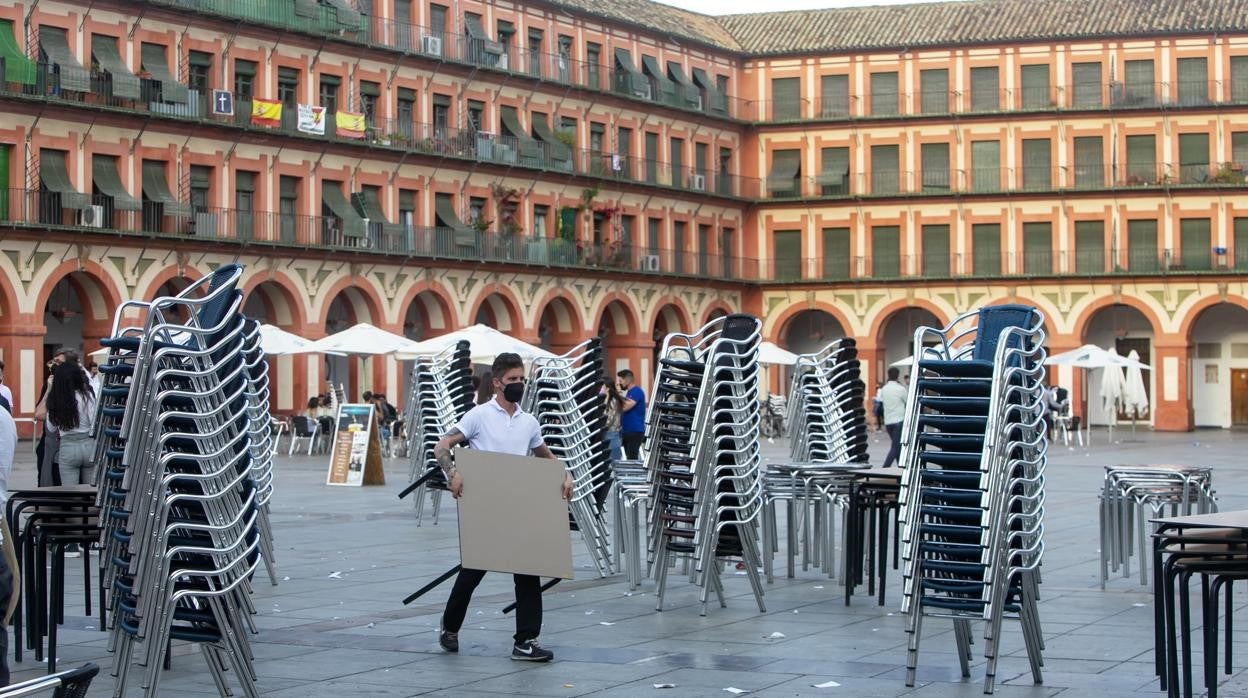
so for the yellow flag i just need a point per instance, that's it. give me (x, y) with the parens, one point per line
(266, 113)
(349, 125)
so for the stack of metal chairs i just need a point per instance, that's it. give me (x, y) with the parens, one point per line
(263, 440)
(973, 450)
(827, 419)
(703, 455)
(565, 397)
(439, 395)
(179, 496)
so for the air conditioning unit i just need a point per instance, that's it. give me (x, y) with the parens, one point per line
(431, 45)
(697, 182)
(91, 217)
(650, 262)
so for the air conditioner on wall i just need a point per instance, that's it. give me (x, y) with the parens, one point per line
(91, 217)
(650, 262)
(431, 45)
(697, 182)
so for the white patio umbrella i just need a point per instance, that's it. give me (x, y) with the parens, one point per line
(360, 339)
(1092, 356)
(275, 341)
(1134, 397)
(485, 344)
(1112, 383)
(771, 355)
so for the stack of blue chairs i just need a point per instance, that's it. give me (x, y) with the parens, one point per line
(827, 417)
(178, 490)
(439, 395)
(973, 449)
(262, 438)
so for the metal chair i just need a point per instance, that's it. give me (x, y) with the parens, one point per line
(73, 683)
(440, 394)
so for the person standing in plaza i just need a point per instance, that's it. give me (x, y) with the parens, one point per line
(632, 415)
(47, 451)
(498, 426)
(71, 405)
(893, 396)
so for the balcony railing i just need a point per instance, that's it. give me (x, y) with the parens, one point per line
(1010, 179)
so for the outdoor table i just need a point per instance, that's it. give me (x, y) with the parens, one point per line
(869, 482)
(1228, 529)
(812, 475)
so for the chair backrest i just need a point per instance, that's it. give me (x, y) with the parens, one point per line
(1076, 422)
(302, 425)
(65, 684)
(995, 319)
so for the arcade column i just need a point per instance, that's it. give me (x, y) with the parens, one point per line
(21, 344)
(1172, 406)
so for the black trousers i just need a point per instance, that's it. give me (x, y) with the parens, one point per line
(528, 603)
(894, 450)
(632, 441)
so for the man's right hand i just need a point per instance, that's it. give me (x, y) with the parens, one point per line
(457, 485)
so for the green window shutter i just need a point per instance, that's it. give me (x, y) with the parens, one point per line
(1037, 248)
(986, 89)
(1141, 159)
(1193, 157)
(935, 241)
(654, 228)
(834, 96)
(1140, 85)
(986, 165)
(1193, 80)
(885, 169)
(1086, 80)
(884, 101)
(787, 255)
(934, 159)
(676, 149)
(1089, 162)
(567, 223)
(1090, 247)
(786, 94)
(885, 251)
(652, 157)
(934, 89)
(834, 172)
(1239, 148)
(786, 168)
(678, 247)
(1239, 78)
(1035, 86)
(836, 259)
(1196, 243)
(986, 249)
(1037, 164)
(1142, 245)
(1241, 243)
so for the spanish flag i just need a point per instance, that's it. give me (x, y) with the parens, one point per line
(349, 125)
(266, 113)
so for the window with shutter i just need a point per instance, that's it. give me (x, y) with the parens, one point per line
(1090, 247)
(884, 98)
(934, 88)
(834, 174)
(1193, 80)
(1239, 78)
(1034, 80)
(934, 159)
(886, 251)
(786, 99)
(785, 176)
(1241, 243)
(1194, 157)
(834, 96)
(678, 247)
(1239, 150)
(836, 258)
(1196, 245)
(986, 89)
(985, 165)
(1037, 248)
(935, 242)
(1086, 81)
(1089, 162)
(1141, 159)
(653, 232)
(1140, 88)
(1142, 245)
(787, 255)
(676, 148)
(1037, 164)
(985, 249)
(885, 170)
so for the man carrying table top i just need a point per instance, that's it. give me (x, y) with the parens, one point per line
(498, 426)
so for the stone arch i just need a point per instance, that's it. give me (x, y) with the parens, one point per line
(498, 308)
(1216, 329)
(171, 278)
(716, 310)
(1124, 326)
(1079, 329)
(779, 324)
(617, 311)
(94, 286)
(893, 330)
(278, 297)
(1192, 316)
(76, 306)
(810, 329)
(559, 324)
(366, 304)
(428, 311)
(347, 306)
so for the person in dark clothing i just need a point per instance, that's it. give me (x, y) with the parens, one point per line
(632, 415)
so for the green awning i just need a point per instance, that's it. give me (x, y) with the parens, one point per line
(633, 81)
(156, 189)
(785, 164)
(348, 16)
(106, 177)
(558, 150)
(444, 208)
(677, 73)
(17, 67)
(307, 8)
(125, 83)
(369, 204)
(74, 77)
(54, 174)
(332, 196)
(650, 66)
(511, 121)
(370, 89)
(154, 62)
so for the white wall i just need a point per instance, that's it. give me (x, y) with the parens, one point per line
(1224, 326)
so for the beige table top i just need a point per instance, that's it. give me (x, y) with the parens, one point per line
(1222, 519)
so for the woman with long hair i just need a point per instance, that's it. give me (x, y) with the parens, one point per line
(71, 414)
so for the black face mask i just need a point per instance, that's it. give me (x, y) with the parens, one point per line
(513, 392)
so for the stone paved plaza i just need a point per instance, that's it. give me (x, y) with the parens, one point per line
(335, 626)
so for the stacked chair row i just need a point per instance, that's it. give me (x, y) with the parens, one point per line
(703, 455)
(565, 396)
(439, 395)
(180, 493)
(972, 497)
(263, 440)
(827, 420)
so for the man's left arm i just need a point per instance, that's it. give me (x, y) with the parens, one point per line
(543, 451)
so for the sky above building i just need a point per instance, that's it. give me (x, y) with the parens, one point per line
(732, 7)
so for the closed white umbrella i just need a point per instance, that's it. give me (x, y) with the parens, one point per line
(485, 344)
(360, 339)
(771, 355)
(1111, 390)
(1134, 397)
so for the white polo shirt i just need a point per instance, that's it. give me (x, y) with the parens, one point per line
(488, 427)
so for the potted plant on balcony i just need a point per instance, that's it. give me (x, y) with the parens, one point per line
(1229, 173)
